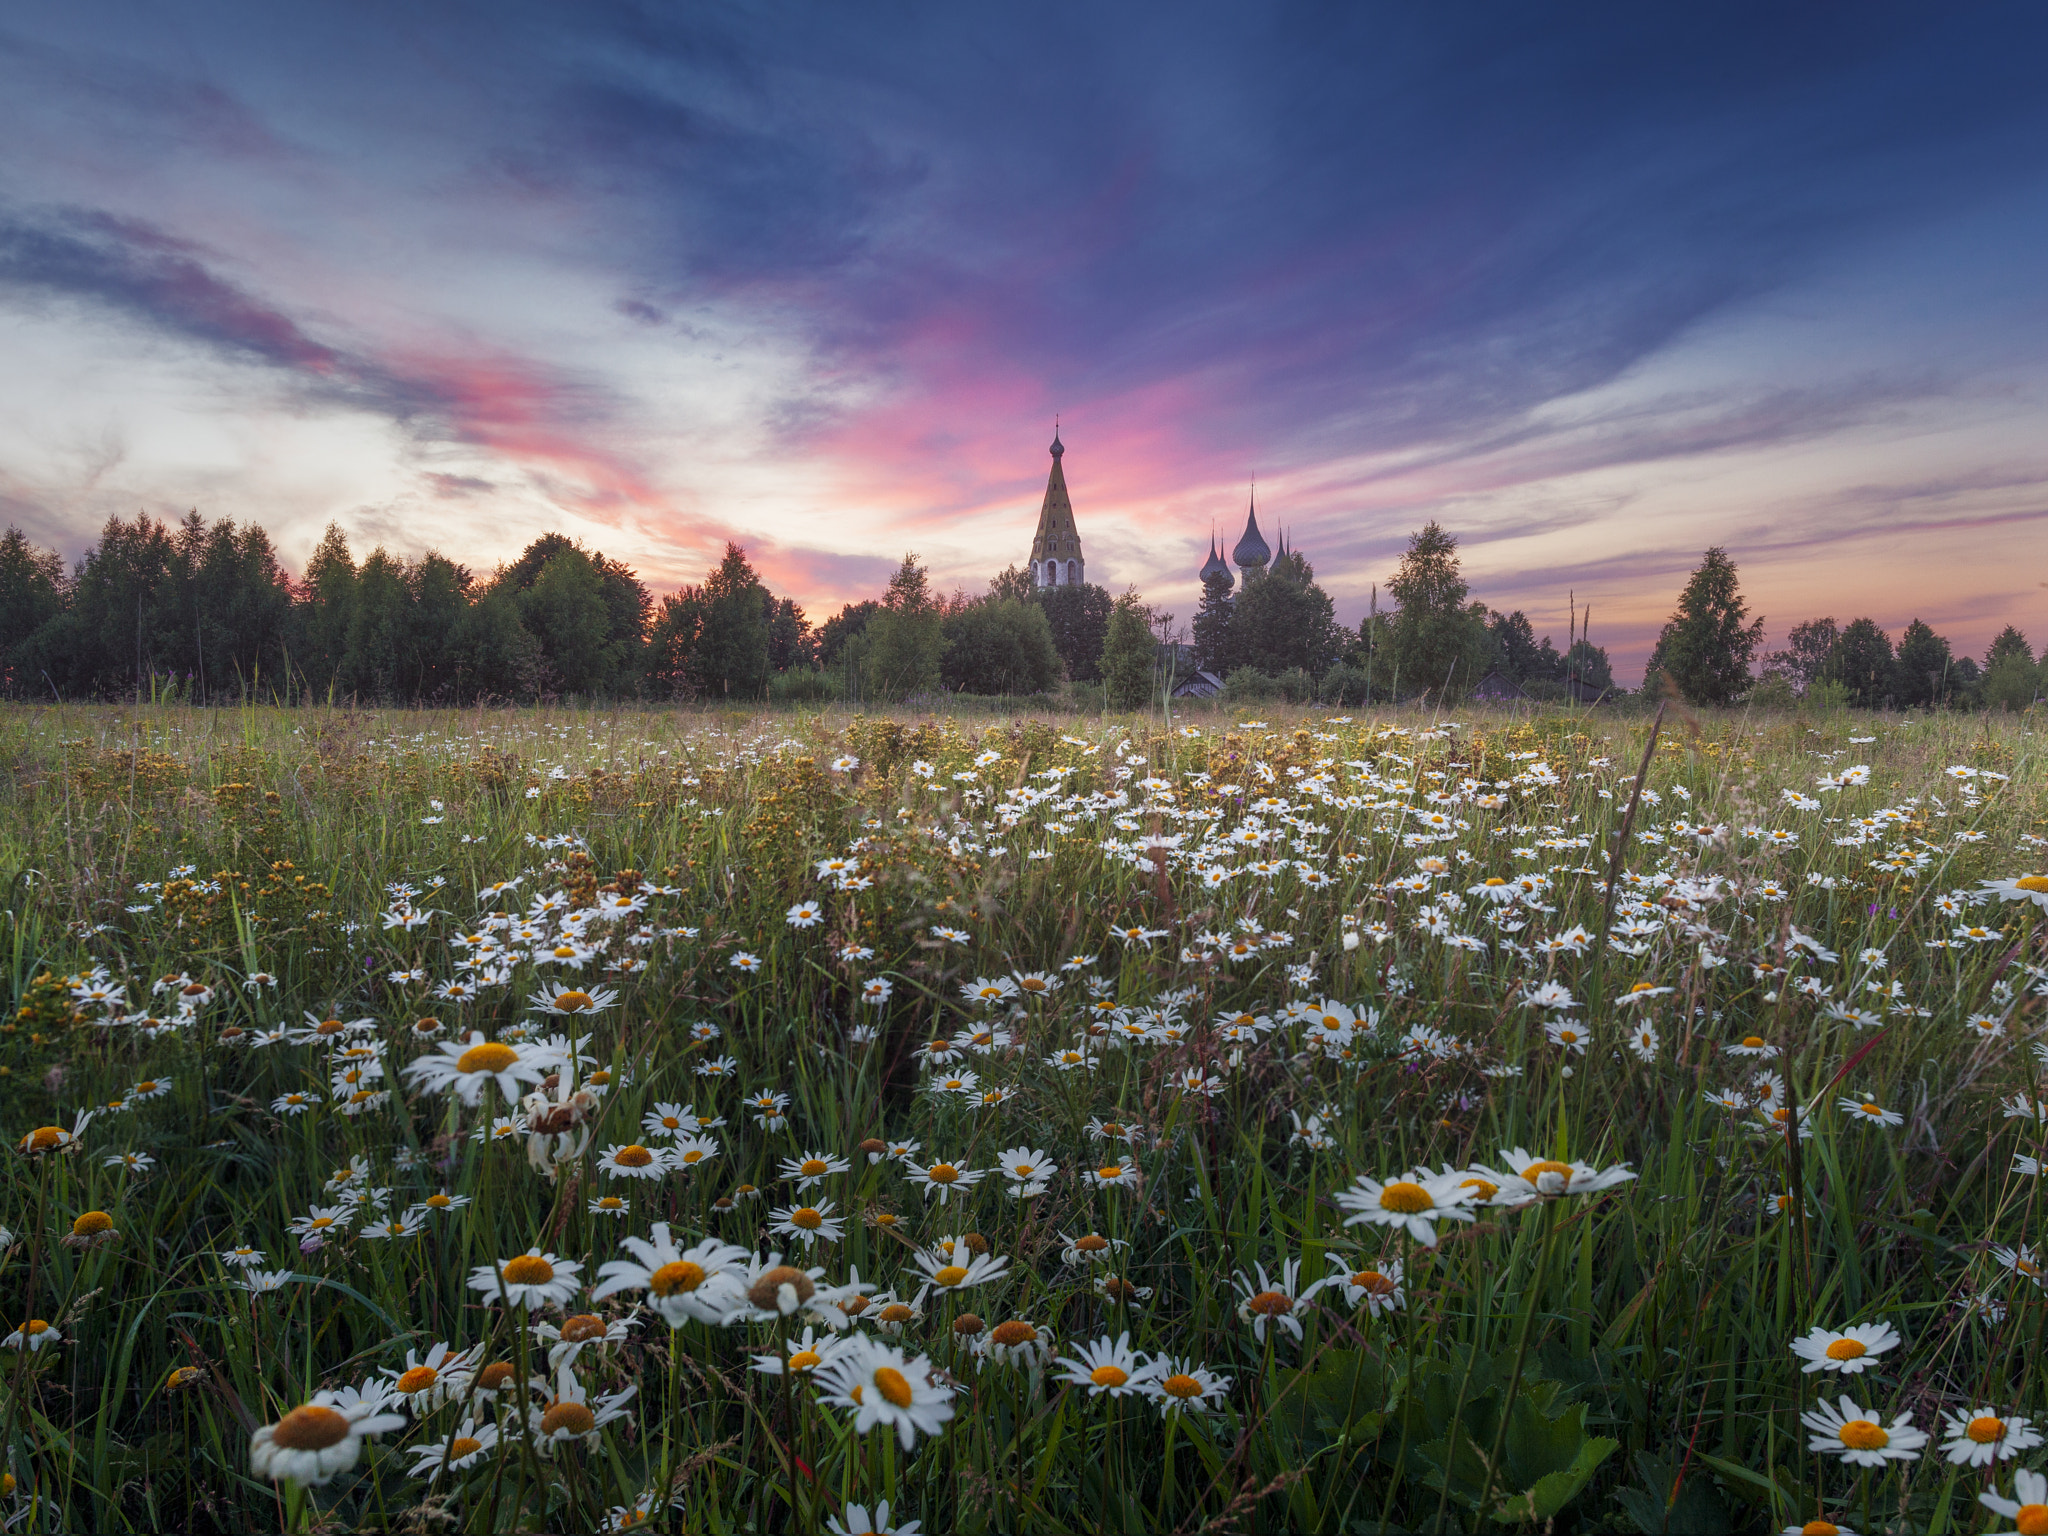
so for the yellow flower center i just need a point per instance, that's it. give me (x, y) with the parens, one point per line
(2037, 883)
(463, 1445)
(1753, 1042)
(1405, 1198)
(1109, 1376)
(528, 1269)
(942, 1173)
(633, 1156)
(1110, 1171)
(951, 1275)
(805, 1360)
(1871, 1109)
(418, 1379)
(1985, 1429)
(896, 1312)
(34, 1326)
(324, 1027)
(311, 1428)
(492, 1378)
(893, 1386)
(1495, 880)
(44, 1137)
(1548, 1165)
(568, 1419)
(91, 1224)
(1847, 1349)
(491, 1056)
(438, 1201)
(813, 1166)
(1181, 1385)
(1372, 1280)
(1820, 1528)
(2032, 1520)
(1270, 1303)
(806, 1217)
(572, 1001)
(676, 1275)
(1862, 1435)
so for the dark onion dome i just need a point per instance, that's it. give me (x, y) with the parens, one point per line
(1251, 549)
(1215, 565)
(1058, 448)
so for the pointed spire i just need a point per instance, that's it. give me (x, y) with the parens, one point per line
(1056, 557)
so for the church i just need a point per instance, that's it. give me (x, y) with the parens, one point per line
(1057, 561)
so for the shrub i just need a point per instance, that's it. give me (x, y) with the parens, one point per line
(803, 685)
(1248, 685)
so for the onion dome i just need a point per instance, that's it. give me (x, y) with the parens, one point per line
(1216, 565)
(1252, 550)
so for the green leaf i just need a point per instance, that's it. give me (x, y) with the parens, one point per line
(1553, 1490)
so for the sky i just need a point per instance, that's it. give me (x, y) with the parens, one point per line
(1596, 287)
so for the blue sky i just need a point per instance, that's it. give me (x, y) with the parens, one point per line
(1596, 287)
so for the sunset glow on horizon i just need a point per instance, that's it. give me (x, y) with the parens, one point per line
(1595, 290)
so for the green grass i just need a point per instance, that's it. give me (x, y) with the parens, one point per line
(1613, 1361)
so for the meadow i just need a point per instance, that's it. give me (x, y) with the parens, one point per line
(719, 1122)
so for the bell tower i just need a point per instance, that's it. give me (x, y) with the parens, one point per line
(1056, 559)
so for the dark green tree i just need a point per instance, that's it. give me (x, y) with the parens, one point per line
(999, 645)
(1079, 616)
(1012, 581)
(1921, 668)
(1861, 661)
(2011, 682)
(1214, 644)
(564, 609)
(2010, 642)
(122, 630)
(1706, 648)
(380, 624)
(906, 640)
(324, 612)
(440, 592)
(848, 622)
(1128, 654)
(790, 641)
(31, 596)
(1515, 650)
(731, 656)
(1805, 656)
(1436, 641)
(1282, 620)
(1589, 664)
(491, 655)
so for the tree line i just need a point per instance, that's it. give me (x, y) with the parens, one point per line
(206, 611)
(1711, 652)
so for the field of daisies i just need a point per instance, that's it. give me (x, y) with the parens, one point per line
(545, 1121)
